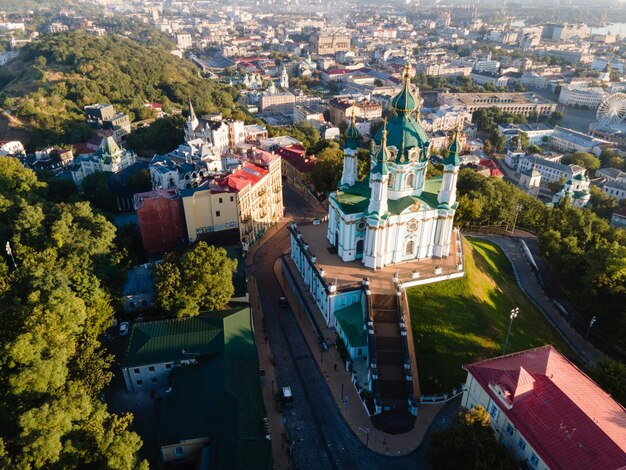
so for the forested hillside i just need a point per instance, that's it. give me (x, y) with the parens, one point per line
(56, 305)
(54, 77)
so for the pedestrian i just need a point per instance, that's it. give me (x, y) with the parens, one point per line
(335, 366)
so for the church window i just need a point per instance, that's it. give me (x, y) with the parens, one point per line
(410, 247)
(360, 226)
(391, 180)
(410, 180)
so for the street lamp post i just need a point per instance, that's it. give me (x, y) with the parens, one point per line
(341, 392)
(10, 253)
(591, 323)
(514, 313)
(518, 208)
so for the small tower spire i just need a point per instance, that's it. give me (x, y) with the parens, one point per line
(349, 174)
(379, 177)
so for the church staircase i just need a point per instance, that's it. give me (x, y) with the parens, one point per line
(394, 376)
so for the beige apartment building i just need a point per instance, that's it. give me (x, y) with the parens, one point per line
(520, 103)
(278, 103)
(327, 43)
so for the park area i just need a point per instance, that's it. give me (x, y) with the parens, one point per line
(465, 320)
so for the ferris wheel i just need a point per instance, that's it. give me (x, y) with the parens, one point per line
(612, 110)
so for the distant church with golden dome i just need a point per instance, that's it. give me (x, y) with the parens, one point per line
(396, 213)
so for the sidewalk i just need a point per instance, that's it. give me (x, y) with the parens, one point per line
(354, 412)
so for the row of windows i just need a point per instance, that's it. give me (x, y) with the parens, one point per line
(151, 368)
(153, 380)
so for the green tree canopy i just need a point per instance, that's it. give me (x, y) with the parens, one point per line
(56, 306)
(584, 159)
(199, 279)
(327, 170)
(610, 374)
(469, 443)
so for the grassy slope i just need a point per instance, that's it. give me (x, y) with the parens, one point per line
(465, 320)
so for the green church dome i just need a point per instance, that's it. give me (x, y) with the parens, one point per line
(404, 102)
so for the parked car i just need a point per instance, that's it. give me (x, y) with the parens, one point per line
(124, 327)
(287, 397)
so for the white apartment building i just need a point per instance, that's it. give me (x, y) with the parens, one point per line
(617, 189)
(547, 412)
(568, 140)
(538, 133)
(550, 171)
(588, 97)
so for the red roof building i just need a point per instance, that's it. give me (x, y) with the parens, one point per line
(493, 168)
(161, 220)
(547, 412)
(248, 174)
(296, 166)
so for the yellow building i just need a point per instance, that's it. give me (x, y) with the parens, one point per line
(250, 198)
(259, 198)
(209, 209)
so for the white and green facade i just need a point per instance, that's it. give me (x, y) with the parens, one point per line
(396, 214)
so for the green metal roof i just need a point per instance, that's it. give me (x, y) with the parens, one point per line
(454, 150)
(398, 206)
(431, 191)
(160, 341)
(221, 398)
(351, 320)
(404, 102)
(404, 132)
(354, 199)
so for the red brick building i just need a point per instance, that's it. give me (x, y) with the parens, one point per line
(161, 220)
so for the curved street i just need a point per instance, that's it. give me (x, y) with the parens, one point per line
(321, 438)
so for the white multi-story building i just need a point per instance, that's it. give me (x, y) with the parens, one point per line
(588, 97)
(446, 118)
(538, 133)
(617, 189)
(214, 131)
(547, 412)
(550, 171)
(568, 140)
(108, 158)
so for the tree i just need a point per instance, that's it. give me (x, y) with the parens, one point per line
(488, 147)
(533, 149)
(555, 118)
(327, 170)
(584, 159)
(610, 374)
(469, 443)
(97, 191)
(601, 203)
(200, 278)
(523, 136)
(555, 186)
(55, 309)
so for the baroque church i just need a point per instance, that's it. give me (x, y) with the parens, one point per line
(396, 214)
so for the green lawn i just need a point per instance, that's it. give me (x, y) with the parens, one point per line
(465, 320)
